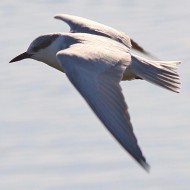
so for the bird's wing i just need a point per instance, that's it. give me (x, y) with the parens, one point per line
(79, 24)
(83, 25)
(96, 75)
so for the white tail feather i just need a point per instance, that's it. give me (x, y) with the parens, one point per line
(161, 73)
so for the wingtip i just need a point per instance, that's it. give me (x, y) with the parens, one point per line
(61, 16)
(57, 16)
(142, 162)
(145, 166)
(179, 62)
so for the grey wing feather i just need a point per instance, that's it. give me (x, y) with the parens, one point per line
(79, 24)
(99, 85)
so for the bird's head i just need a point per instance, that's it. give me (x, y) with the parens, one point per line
(44, 48)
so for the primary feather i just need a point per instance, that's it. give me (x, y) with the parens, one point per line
(79, 24)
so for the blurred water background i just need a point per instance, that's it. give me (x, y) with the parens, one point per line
(51, 140)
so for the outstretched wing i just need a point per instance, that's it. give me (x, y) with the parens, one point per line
(96, 74)
(83, 25)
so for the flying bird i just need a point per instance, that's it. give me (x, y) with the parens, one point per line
(95, 58)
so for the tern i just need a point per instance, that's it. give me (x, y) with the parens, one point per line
(96, 58)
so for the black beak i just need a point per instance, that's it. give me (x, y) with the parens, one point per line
(20, 57)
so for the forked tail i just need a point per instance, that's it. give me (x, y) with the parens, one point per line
(161, 73)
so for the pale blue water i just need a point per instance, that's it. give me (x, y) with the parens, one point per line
(50, 139)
